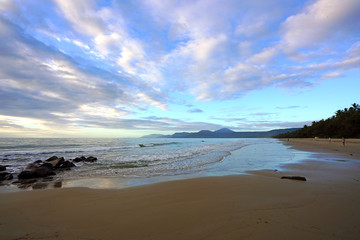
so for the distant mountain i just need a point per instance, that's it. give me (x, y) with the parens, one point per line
(224, 133)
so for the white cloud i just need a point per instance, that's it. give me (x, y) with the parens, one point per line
(331, 75)
(82, 16)
(7, 5)
(265, 56)
(148, 100)
(81, 44)
(252, 27)
(320, 21)
(108, 44)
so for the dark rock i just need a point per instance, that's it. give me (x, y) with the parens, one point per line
(36, 173)
(56, 162)
(38, 162)
(27, 175)
(91, 159)
(67, 165)
(52, 159)
(47, 165)
(24, 186)
(80, 159)
(33, 166)
(2, 168)
(57, 184)
(5, 176)
(84, 159)
(298, 178)
(40, 185)
(25, 181)
(48, 179)
(44, 172)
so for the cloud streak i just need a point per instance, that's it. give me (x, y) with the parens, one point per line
(108, 63)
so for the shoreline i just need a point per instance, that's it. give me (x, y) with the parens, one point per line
(252, 206)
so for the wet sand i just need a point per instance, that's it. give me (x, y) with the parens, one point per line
(260, 205)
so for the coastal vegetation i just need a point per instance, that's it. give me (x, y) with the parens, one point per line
(345, 123)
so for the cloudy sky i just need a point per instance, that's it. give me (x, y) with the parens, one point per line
(107, 68)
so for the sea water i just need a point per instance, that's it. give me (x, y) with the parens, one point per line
(140, 160)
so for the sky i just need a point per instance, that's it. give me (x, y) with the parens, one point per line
(105, 68)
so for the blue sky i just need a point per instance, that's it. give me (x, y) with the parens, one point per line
(128, 68)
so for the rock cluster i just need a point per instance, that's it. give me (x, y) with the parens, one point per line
(84, 159)
(42, 170)
(4, 175)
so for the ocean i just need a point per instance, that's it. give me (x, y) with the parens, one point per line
(134, 161)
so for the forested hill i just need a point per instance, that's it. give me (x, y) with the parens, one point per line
(345, 123)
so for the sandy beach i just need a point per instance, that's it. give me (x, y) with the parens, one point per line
(260, 205)
(350, 150)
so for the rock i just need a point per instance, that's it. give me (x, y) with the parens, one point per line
(2, 168)
(33, 166)
(55, 161)
(67, 165)
(47, 165)
(51, 159)
(84, 159)
(25, 181)
(48, 179)
(91, 159)
(40, 185)
(36, 173)
(80, 159)
(38, 162)
(5, 176)
(44, 172)
(57, 184)
(27, 175)
(298, 178)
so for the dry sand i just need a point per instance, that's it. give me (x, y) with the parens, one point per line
(350, 150)
(256, 206)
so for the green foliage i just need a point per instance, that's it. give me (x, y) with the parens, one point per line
(345, 123)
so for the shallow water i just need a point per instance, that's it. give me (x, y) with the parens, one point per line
(128, 162)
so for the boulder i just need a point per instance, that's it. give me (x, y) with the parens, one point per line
(40, 185)
(44, 172)
(84, 159)
(55, 161)
(47, 165)
(36, 173)
(33, 166)
(57, 184)
(298, 178)
(5, 176)
(2, 168)
(27, 175)
(80, 159)
(51, 159)
(25, 181)
(91, 159)
(67, 165)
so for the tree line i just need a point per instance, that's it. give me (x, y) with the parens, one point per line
(345, 123)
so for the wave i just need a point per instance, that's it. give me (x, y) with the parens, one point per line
(157, 144)
(27, 146)
(46, 152)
